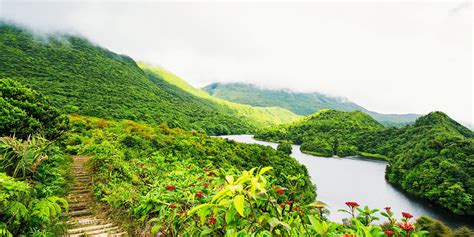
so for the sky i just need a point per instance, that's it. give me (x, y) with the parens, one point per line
(390, 57)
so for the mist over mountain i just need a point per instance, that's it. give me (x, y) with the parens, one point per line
(297, 102)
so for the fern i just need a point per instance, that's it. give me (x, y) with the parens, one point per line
(4, 231)
(48, 209)
(17, 211)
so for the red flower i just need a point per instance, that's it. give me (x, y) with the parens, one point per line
(389, 232)
(352, 204)
(212, 220)
(388, 210)
(206, 185)
(297, 208)
(210, 174)
(200, 178)
(282, 205)
(172, 206)
(170, 187)
(280, 190)
(407, 215)
(288, 202)
(199, 194)
(348, 235)
(192, 185)
(406, 226)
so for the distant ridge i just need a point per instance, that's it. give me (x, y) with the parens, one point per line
(297, 102)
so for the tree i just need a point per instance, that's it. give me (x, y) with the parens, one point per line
(285, 146)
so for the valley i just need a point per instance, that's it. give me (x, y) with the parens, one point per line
(157, 166)
(362, 179)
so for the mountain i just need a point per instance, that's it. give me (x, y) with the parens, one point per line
(299, 103)
(80, 77)
(261, 115)
(431, 158)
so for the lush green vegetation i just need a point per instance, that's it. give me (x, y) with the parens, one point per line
(80, 77)
(431, 158)
(299, 103)
(285, 146)
(326, 133)
(33, 171)
(133, 162)
(24, 112)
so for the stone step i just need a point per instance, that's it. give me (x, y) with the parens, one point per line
(89, 228)
(78, 196)
(79, 173)
(101, 232)
(120, 234)
(79, 213)
(74, 200)
(78, 207)
(80, 187)
(83, 221)
(79, 170)
(80, 192)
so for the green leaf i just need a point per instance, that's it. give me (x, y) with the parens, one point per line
(229, 179)
(197, 208)
(206, 231)
(264, 170)
(239, 204)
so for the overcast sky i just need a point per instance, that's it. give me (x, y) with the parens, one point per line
(391, 57)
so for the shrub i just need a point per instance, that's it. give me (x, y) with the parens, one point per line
(19, 158)
(463, 231)
(434, 227)
(285, 147)
(25, 112)
(23, 214)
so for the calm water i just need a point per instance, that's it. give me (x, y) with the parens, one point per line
(339, 180)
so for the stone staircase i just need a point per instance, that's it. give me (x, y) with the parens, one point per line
(82, 221)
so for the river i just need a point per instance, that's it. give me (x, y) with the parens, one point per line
(362, 180)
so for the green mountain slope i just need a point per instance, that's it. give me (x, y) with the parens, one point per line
(261, 115)
(80, 77)
(432, 158)
(299, 103)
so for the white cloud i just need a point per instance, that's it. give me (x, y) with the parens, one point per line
(392, 57)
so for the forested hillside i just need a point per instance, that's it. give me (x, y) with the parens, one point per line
(262, 116)
(433, 158)
(82, 78)
(299, 103)
(326, 133)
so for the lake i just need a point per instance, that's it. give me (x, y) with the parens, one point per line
(362, 180)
